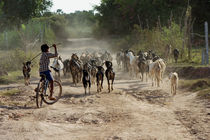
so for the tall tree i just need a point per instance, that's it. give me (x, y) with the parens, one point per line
(200, 11)
(120, 16)
(16, 12)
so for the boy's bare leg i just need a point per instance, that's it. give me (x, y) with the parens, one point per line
(51, 91)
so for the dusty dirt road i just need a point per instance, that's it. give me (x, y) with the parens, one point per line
(133, 111)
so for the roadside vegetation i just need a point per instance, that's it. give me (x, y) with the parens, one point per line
(201, 86)
(9, 92)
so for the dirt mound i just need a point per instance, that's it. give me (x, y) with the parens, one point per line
(200, 84)
(190, 72)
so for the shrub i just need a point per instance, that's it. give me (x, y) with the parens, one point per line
(13, 60)
(154, 39)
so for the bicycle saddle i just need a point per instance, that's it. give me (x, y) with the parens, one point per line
(43, 76)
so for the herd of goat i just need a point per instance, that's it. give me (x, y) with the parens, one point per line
(148, 64)
(89, 69)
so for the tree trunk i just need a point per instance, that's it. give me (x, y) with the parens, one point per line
(189, 43)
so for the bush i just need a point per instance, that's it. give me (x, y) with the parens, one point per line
(154, 39)
(37, 30)
(10, 40)
(13, 60)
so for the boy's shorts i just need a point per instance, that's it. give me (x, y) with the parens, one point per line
(47, 74)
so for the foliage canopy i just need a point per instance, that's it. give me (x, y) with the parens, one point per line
(16, 12)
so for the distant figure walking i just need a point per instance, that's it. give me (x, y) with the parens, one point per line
(176, 54)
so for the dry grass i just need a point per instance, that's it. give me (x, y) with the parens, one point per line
(12, 77)
(9, 92)
(199, 85)
(204, 94)
(193, 85)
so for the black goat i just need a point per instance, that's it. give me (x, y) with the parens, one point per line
(110, 74)
(86, 81)
(99, 78)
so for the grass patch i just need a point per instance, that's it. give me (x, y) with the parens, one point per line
(204, 94)
(196, 59)
(9, 92)
(185, 64)
(17, 76)
(12, 77)
(202, 86)
(194, 85)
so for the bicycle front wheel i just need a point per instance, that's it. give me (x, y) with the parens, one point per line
(38, 96)
(57, 91)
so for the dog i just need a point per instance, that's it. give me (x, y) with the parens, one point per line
(174, 82)
(26, 72)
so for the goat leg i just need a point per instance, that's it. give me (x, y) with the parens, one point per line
(89, 86)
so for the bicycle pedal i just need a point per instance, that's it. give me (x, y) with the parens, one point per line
(36, 90)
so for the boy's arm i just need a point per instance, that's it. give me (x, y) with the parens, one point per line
(50, 55)
(56, 53)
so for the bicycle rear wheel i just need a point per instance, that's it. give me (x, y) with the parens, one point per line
(56, 93)
(38, 96)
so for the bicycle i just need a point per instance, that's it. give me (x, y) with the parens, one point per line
(43, 90)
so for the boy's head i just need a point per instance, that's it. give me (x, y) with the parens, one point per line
(45, 48)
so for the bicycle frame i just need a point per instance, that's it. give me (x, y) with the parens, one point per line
(46, 83)
(42, 92)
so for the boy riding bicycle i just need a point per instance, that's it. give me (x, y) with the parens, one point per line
(44, 66)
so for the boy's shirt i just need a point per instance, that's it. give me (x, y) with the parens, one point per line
(45, 61)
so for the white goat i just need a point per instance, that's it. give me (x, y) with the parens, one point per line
(155, 72)
(173, 76)
(163, 68)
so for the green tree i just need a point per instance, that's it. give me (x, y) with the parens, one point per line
(200, 11)
(16, 12)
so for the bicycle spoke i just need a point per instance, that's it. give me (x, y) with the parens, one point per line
(57, 91)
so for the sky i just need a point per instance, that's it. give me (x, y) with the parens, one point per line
(70, 6)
